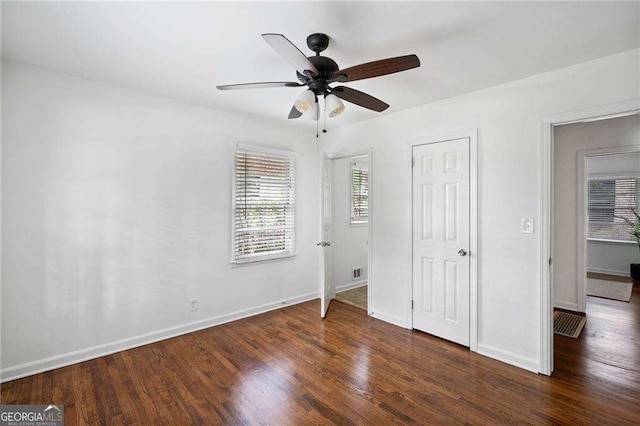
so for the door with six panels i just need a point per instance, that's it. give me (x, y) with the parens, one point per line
(441, 226)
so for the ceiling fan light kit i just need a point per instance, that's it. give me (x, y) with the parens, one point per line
(332, 105)
(318, 72)
(305, 101)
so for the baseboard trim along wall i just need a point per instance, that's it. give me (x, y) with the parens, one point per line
(566, 305)
(350, 286)
(391, 319)
(509, 358)
(610, 272)
(39, 366)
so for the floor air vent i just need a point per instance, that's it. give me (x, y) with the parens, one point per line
(567, 324)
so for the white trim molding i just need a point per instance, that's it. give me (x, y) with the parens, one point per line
(603, 240)
(601, 112)
(351, 286)
(509, 357)
(390, 318)
(74, 357)
(626, 274)
(569, 306)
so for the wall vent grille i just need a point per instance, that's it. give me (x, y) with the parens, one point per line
(356, 273)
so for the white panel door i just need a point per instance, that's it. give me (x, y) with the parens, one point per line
(441, 223)
(327, 290)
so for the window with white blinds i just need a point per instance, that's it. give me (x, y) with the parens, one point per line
(359, 193)
(264, 204)
(611, 200)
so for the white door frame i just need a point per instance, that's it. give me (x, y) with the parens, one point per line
(472, 135)
(347, 154)
(547, 123)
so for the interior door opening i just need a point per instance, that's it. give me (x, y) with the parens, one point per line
(346, 232)
(593, 249)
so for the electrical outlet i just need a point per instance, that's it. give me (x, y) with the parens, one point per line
(194, 305)
(527, 226)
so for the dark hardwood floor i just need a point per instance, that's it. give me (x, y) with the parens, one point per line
(290, 367)
(608, 348)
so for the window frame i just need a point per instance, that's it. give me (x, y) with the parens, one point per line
(358, 220)
(248, 260)
(609, 177)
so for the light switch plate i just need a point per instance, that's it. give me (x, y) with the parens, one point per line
(527, 226)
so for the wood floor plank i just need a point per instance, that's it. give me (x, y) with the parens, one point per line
(290, 367)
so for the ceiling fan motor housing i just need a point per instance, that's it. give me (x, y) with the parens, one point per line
(326, 67)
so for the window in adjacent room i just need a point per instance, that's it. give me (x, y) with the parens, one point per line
(359, 193)
(263, 204)
(611, 200)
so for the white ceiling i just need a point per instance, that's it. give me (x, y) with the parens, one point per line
(183, 50)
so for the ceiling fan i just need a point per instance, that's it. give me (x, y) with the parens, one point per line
(318, 72)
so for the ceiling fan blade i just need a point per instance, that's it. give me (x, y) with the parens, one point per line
(294, 113)
(377, 68)
(290, 53)
(259, 85)
(359, 98)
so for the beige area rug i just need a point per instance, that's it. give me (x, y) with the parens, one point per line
(356, 297)
(566, 324)
(609, 289)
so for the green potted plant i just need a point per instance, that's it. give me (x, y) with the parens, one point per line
(635, 224)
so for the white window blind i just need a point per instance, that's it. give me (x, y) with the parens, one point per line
(611, 200)
(264, 204)
(359, 193)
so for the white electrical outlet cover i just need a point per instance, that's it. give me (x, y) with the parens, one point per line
(527, 226)
(194, 305)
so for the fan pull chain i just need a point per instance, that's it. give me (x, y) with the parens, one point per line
(317, 116)
(324, 130)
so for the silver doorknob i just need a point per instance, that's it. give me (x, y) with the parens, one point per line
(323, 244)
(319, 244)
(462, 252)
(327, 243)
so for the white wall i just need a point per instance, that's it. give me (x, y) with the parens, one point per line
(618, 163)
(348, 242)
(116, 212)
(510, 161)
(613, 257)
(569, 139)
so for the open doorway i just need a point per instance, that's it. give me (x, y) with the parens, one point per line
(350, 230)
(596, 189)
(346, 230)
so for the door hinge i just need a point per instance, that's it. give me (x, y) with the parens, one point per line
(413, 162)
(550, 262)
(412, 304)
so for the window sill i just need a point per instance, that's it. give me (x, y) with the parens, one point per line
(261, 259)
(358, 224)
(604, 240)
